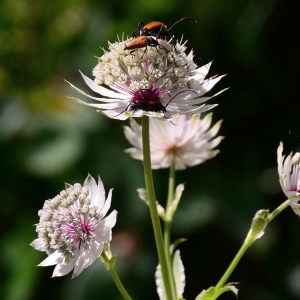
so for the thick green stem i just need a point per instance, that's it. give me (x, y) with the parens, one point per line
(167, 278)
(247, 243)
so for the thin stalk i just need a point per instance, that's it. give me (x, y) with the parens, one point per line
(233, 264)
(247, 243)
(278, 210)
(169, 288)
(111, 268)
(168, 222)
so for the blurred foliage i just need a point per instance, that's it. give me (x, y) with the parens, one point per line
(46, 139)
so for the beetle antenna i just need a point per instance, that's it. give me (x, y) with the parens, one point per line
(178, 94)
(292, 131)
(185, 18)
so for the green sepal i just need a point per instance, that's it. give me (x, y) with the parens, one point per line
(212, 293)
(258, 226)
(107, 258)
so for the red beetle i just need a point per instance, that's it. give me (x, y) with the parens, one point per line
(140, 42)
(158, 28)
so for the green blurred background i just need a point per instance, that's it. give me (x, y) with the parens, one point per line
(47, 139)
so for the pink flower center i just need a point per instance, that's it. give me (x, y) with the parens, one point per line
(79, 230)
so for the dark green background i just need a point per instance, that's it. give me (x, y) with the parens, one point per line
(47, 139)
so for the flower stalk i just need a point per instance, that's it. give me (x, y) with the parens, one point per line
(168, 221)
(260, 222)
(110, 262)
(167, 278)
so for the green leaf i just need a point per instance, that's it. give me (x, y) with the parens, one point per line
(172, 209)
(212, 293)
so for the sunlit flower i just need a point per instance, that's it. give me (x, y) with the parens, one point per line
(187, 140)
(73, 228)
(161, 82)
(289, 177)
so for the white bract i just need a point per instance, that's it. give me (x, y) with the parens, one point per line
(188, 140)
(179, 278)
(289, 177)
(73, 228)
(161, 82)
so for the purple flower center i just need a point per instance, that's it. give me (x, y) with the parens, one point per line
(147, 100)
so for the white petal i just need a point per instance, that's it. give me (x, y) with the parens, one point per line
(85, 259)
(95, 98)
(207, 85)
(38, 244)
(63, 269)
(54, 258)
(101, 90)
(103, 234)
(110, 220)
(106, 206)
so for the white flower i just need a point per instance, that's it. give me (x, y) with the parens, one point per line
(73, 227)
(289, 177)
(161, 82)
(187, 139)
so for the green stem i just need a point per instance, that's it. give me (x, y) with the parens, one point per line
(111, 268)
(170, 292)
(233, 264)
(278, 210)
(247, 243)
(168, 222)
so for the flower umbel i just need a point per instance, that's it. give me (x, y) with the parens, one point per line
(289, 177)
(161, 82)
(188, 141)
(73, 228)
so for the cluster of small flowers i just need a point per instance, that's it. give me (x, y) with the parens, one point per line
(161, 82)
(72, 229)
(60, 227)
(166, 67)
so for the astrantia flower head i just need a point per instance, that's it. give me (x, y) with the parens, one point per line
(73, 228)
(289, 177)
(187, 140)
(161, 82)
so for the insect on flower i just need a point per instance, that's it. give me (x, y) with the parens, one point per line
(141, 42)
(144, 41)
(158, 29)
(148, 100)
(159, 82)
